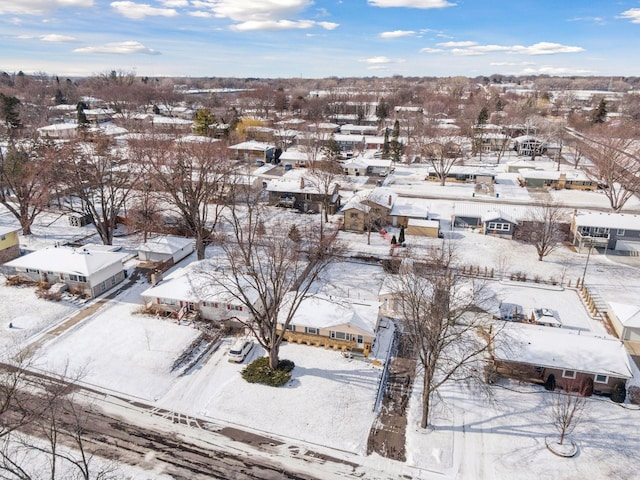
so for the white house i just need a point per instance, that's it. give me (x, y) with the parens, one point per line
(165, 247)
(90, 272)
(199, 287)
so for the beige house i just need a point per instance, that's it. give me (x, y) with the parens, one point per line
(9, 243)
(626, 321)
(332, 322)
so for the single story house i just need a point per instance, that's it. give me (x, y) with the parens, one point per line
(625, 319)
(559, 357)
(200, 288)
(614, 231)
(573, 180)
(164, 248)
(59, 131)
(490, 219)
(9, 243)
(253, 151)
(333, 322)
(350, 129)
(465, 174)
(90, 272)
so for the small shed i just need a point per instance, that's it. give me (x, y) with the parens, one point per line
(625, 319)
(423, 228)
(165, 247)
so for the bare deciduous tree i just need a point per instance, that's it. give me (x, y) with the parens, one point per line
(193, 178)
(265, 266)
(542, 228)
(101, 178)
(442, 154)
(26, 180)
(441, 314)
(566, 410)
(615, 162)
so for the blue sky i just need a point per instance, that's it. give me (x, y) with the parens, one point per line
(321, 38)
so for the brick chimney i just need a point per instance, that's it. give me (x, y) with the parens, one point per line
(301, 183)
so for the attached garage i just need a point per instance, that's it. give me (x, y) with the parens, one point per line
(423, 228)
(626, 321)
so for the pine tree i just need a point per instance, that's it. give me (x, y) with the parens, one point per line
(483, 116)
(599, 115)
(401, 236)
(385, 146)
(82, 117)
(294, 234)
(395, 143)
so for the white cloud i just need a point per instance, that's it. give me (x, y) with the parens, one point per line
(201, 14)
(632, 14)
(39, 7)
(510, 64)
(377, 60)
(175, 3)
(457, 44)
(275, 25)
(119, 48)
(411, 3)
(58, 38)
(25, 37)
(398, 34)
(550, 70)
(255, 10)
(431, 50)
(597, 20)
(137, 11)
(377, 67)
(540, 48)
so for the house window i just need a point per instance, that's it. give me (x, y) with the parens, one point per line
(568, 374)
(33, 270)
(73, 278)
(291, 328)
(620, 232)
(168, 301)
(499, 226)
(340, 335)
(601, 379)
(3, 238)
(353, 215)
(311, 331)
(82, 278)
(307, 196)
(359, 339)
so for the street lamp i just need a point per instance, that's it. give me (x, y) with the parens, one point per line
(584, 273)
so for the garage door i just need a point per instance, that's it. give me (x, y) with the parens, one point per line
(632, 334)
(626, 246)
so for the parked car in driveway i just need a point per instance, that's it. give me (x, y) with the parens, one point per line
(240, 350)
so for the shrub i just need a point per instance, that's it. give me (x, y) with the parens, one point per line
(259, 371)
(619, 392)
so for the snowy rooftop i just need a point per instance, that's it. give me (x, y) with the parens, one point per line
(628, 315)
(561, 348)
(252, 145)
(192, 284)
(7, 229)
(486, 210)
(321, 311)
(165, 244)
(410, 207)
(78, 261)
(608, 220)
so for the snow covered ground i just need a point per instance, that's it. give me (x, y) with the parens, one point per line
(330, 399)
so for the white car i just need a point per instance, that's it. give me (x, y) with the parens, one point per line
(240, 350)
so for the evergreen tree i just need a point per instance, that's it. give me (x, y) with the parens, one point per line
(332, 149)
(386, 150)
(382, 111)
(394, 241)
(483, 116)
(202, 122)
(599, 115)
(401, 236)
(9, 110)
(82, 117)
(294, 234)
(395, 143)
